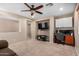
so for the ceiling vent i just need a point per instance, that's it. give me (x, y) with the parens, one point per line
(49, 4)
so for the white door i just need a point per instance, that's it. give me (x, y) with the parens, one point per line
(29, 30)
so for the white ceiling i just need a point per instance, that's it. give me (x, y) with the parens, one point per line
(68, 8)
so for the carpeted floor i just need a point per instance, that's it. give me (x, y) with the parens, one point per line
(40, 48)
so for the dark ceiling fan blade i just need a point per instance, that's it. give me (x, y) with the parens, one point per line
(39, 12)
(27, 5)
(25, 10)
(38, 7)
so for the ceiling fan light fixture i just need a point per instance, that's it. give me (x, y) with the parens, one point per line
(33, 16)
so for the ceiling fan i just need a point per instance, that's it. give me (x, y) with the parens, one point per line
(33, 9)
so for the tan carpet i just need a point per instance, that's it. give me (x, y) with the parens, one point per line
(40, 48)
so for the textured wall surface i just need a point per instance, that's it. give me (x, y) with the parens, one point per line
(13, 37)
(76, 27)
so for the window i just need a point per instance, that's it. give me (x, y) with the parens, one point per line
(9, 26)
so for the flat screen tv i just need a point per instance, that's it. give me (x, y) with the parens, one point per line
(43, 26)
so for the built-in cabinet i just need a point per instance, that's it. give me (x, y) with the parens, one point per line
(46, 32)
(43, 30)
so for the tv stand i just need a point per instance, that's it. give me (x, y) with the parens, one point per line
(42, 37)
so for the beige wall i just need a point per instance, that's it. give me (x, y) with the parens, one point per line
(51, 31)
(43, 32)
(13, 37)
(9, 25)
(33, 30)
(76, 26)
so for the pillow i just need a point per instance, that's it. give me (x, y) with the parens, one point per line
(3, 44)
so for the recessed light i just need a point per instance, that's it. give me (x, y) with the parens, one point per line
(61, 9)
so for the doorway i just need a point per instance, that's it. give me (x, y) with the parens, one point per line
(29, 29)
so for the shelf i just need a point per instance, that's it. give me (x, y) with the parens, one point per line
(65, 28)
